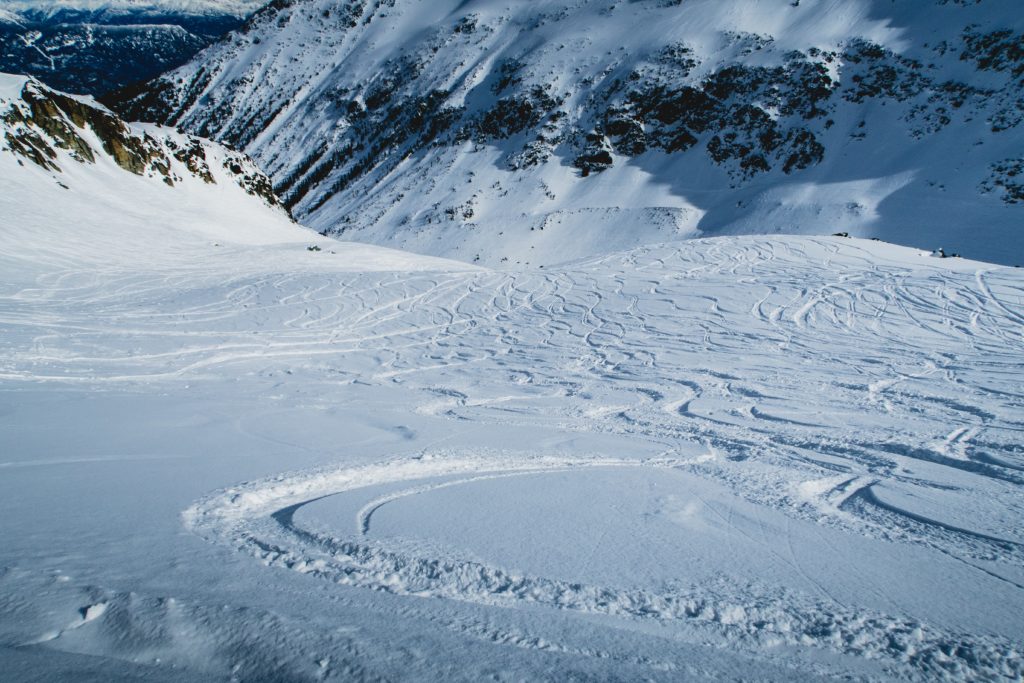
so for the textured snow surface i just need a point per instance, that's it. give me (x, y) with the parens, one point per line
(225, 456)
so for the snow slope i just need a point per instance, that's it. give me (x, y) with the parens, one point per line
(528, 133)
(193, 196)
(9, 17)
(225, 456)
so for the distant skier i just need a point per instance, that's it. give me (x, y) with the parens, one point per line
(939, 253)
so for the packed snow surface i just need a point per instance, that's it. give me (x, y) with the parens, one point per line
(225, 456)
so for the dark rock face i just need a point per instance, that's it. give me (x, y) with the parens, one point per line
(59, 117)
(596, 155)
(650, 109)
(1007, 178)
(51, 114)
(1000, 50)
(29, 143)
(193, 156)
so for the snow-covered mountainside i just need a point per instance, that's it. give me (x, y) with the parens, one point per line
(231, 449)
(528, 132)
(209, 18)
(234, 449)
(94, 46)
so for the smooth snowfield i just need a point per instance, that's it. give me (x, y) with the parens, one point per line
(223, 456)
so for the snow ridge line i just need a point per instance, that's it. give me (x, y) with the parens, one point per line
(257, 518)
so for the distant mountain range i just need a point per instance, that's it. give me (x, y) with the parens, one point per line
(51, 8)
(529, 132)
(93, 46)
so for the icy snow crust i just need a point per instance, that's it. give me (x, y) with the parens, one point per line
(223, 455)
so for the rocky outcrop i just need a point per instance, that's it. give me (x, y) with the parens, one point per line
(1007, 178)
(43, 121)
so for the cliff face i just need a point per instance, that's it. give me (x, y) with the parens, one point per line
(39, 123)
(469, 128)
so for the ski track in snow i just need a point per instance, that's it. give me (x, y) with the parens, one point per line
(824, 379)
(259, 518)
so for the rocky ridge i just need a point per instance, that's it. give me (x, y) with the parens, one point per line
(48, 129)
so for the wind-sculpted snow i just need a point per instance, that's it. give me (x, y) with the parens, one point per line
(796, 452)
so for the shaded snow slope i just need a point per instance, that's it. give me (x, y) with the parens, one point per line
(528, 133)
(223, 455)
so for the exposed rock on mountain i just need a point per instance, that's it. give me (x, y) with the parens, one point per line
(494, 130)
(50, 130)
